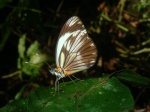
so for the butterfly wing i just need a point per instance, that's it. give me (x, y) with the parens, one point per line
(75, 50)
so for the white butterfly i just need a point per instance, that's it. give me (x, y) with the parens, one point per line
(75, 50)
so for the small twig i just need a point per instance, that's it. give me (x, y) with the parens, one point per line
(60, 6)
(141, 51)
(122, 2)
(11, 75)
(101, 82)
(139, 95)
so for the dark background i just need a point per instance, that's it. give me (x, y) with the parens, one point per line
(120, 30)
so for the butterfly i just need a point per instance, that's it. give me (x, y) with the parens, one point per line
(75, 50)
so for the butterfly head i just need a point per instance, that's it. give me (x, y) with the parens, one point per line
(58, 74)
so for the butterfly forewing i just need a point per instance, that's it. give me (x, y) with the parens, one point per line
(75, 50)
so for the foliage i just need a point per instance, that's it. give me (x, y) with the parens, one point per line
(89, 96)
(125, 28)
(35, 60)
(28, 35)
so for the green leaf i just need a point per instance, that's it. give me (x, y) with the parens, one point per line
(19, 94)
(38, 59)
(93, 95)
(33, 49)
(16, 106)
(30, 69)
(19, 63)
(133, 78)
(33, 61)
(21, 46)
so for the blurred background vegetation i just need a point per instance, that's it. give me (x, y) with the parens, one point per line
(119, 28)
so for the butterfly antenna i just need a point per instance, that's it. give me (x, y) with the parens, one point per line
(48, 65)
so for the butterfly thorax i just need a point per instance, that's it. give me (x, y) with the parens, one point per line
(56, 72)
